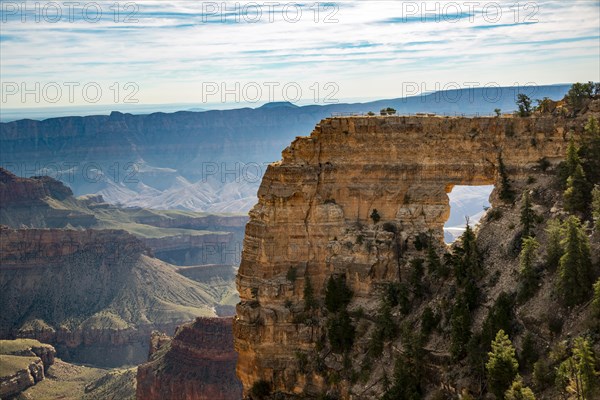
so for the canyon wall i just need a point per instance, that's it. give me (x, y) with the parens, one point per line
(314, 218)
(95, 295)
(198, 363)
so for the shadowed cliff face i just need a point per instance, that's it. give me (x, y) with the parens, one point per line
(314, 210)
(198, 363)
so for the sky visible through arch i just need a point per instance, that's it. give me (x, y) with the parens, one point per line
(210, 53)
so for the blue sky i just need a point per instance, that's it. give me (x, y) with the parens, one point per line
(161, 52)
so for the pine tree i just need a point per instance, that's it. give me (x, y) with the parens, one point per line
(596, 301)
(506, 193)
(577, 196)
(596, 207)
(573, 159)
(590, 151)
(568, 167)
(518, 391)
(467, 260)
(340, 332)
(502, 366)
(577, 374)
(554, 249)
(433, 259)
(575, 269)
(460, 328)
(527, 274)
(406, 385)
(467, 266)
(524, 104)
(337, 294)
(527, 215)
(309, 296)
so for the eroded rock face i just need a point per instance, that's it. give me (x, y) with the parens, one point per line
(198, 363)
(25, 363)
(314, 217)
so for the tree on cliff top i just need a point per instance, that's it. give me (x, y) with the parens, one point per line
(579, 92)
(524, 104)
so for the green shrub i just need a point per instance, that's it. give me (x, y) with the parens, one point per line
(291, 274)
(494, 214)
(518, 391)
(375, 216)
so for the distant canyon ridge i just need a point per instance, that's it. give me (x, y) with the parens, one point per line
(211, 161)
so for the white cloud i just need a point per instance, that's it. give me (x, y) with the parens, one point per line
(375, 46)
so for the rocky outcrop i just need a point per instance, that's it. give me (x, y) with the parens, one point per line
(319, 208)
(24, 363)
(25, 372)
(15, 190)
(198, 363)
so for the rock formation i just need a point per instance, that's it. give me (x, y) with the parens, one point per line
(316, 214)
(24, 363)
(198, 363)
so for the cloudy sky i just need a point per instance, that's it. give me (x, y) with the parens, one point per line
(194, 52)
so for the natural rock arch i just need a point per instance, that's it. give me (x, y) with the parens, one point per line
(314, 207)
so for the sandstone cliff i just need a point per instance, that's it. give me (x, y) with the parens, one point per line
(198, 363)
(315, 219)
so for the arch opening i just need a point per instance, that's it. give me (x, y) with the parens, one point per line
(466, 201)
